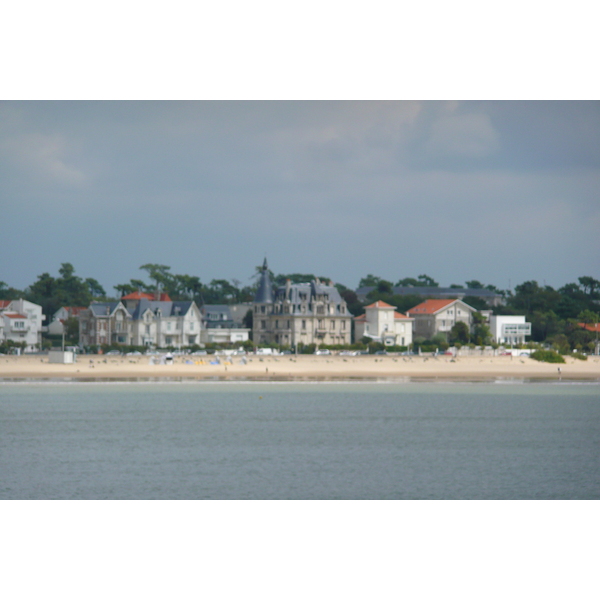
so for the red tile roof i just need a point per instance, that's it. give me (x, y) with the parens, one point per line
(164, 297)
(398, 315)
(4, 303)
(380, 304)
(14, 316)
(361, 318)
(430, 306)
(591, 327)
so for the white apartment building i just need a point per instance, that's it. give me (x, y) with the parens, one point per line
(21, 321)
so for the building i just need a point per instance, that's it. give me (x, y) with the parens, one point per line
(21, 321)
(137, 320)
(509, 329)
(300, 313)
(383, 324)
(492, 298)
(224, 324)
(56, 327)
(439, 316)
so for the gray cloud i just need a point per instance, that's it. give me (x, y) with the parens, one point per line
(459, 190)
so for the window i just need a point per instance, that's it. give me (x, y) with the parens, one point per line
(192, 326)
(169, 326)
(303, 323)
(343, 325)
(263, 324)
(320, 324)
(147, 329)
(289, 324)
(168, 340)
(332, 325)
(276, 323)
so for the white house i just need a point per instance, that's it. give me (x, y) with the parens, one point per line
(439, 316)
(509, 329)
(21, 321)
(383, 324)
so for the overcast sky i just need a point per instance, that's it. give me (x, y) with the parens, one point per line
(495, 191)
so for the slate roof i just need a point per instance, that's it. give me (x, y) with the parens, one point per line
(264, 294)
(167, 309)
(99, 308)
(433, 291)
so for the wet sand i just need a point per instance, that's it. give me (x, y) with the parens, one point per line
(302, 367)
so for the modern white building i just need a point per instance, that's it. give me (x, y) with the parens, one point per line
(383, 324)
(509, 329)
(21, 321)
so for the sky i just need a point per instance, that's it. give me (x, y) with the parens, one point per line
(498, 191)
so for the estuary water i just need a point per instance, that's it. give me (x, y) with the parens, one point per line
(228, 440)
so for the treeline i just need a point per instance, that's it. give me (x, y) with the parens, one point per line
(554, 314)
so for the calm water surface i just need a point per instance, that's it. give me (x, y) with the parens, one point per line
(299, 441)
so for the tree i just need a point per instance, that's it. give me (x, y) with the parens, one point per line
(460, 333)
(369, 281)
(427, 281)
(588, 317)
(94, 288)
(421, 281)
(474, 284)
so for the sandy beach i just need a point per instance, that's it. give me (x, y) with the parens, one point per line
(301, 367)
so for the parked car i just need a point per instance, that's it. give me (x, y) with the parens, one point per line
(323, 352)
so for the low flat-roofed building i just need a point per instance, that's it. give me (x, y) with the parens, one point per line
(509, 329)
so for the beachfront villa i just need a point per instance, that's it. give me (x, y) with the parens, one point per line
(299, 313)
(139, 319)
(435, 316)
(382, 323)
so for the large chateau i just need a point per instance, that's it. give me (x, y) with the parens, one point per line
(299, 313)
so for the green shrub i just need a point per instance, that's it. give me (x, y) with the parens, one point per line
(549, 356)
(579, 356)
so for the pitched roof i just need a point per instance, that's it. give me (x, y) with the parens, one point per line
(590, 326)
(380, 304)
(361, 318)
(4, 303)
(430, 306)
(14, 316)
(398, 315)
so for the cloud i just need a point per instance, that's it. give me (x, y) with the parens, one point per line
(42, 157)
(462, 136)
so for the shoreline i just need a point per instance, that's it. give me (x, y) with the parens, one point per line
(301, 368)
